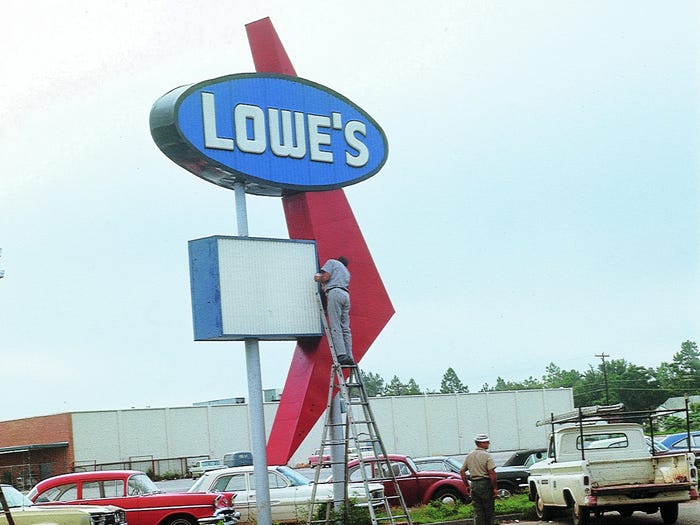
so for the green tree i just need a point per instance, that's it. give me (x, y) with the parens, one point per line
(412, 388)
(555, 377)
(395, 387)
(618, 381)
(637, 388)
(685, 369)
(682, 375)
(528, 384)
(686, 362)
(590, 390)
(451, 383)
(673, 424)
(373, 383)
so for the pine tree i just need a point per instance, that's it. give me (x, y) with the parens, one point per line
(451, 384)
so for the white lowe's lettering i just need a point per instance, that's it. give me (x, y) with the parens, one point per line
(289, 133)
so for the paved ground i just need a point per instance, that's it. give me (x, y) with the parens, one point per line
(688, 514)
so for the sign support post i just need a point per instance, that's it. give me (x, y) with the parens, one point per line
(256, 413)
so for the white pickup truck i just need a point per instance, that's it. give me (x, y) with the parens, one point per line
(595, 466)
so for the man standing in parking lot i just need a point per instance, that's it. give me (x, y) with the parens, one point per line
(482, 474)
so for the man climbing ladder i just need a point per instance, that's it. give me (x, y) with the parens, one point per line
(335, 280)
(354, 428)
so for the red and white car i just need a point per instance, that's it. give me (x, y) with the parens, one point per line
(136, 493)
(320, 457)
(325, 458)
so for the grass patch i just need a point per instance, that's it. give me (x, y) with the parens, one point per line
(436, 511)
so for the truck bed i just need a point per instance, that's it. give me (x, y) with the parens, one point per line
(658, 470)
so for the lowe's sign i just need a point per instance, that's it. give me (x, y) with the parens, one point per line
(276, 134)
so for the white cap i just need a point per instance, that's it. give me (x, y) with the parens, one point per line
(482, 438)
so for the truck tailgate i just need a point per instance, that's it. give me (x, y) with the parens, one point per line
(659, 470)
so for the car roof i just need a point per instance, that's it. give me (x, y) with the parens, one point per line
(93, 474)
(391, 457)
(682, 434)
(233, 470)
(671, 439)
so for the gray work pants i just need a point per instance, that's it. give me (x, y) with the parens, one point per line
(339, 321)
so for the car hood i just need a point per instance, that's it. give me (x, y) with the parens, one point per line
(519, 468)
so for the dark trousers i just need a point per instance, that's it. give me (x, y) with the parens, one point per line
(483, 501)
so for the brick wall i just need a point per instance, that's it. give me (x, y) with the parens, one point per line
(31, 431)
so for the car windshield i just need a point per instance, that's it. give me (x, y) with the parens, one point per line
(197, 487)
(657, 445)
(141, 484)
(410, 463)
(455, 464)
(15, 498)
(533, 458)
(294, 477)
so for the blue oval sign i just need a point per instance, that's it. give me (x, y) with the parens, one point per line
(277, 134)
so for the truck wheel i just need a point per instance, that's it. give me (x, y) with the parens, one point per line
(626, 513)
(543, 513)
(669, 512)
(581, 515)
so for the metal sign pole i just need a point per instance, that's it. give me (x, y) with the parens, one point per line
(255, 398)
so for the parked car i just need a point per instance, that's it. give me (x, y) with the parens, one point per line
(322, 457)
(439, 463)
(417, 486)
(134, 491)
(525, 457)
(510, 479)
(680, 441)
(290, 491)
(241, 458)
(24, 512)
(205, 465)
(654, 446)
(325, 457)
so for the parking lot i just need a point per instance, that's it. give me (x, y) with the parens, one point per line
(689, 513)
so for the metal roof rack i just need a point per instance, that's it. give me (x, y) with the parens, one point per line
(606, 413)
(612, 413)
(581, 413)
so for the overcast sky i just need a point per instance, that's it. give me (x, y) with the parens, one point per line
(539, 203)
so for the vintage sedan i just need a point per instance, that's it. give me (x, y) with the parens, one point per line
(417, 486)
(290, 491)
(24, 512)
(134, 491)
(679, 441)
(323, 458)
(205, 465)
(511, 478)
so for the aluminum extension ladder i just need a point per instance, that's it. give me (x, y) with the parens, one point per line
(358, 430)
